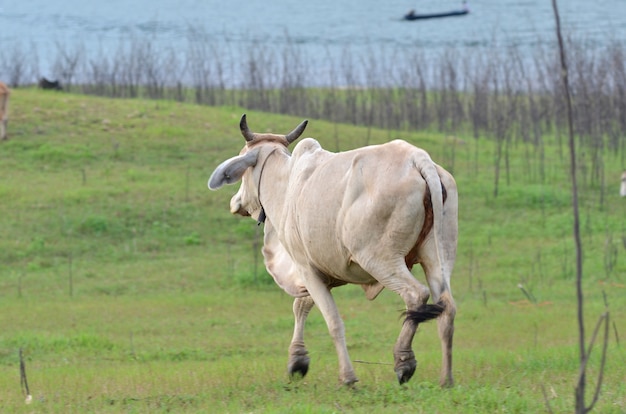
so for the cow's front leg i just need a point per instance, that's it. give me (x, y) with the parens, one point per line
(3, 130)
(326, 304)
(298, 355)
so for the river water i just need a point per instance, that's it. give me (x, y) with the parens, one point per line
(317, 28)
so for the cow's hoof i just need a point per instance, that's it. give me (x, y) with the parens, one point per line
(446, 382)
(349, 382)
(405, 368)
(298, 366)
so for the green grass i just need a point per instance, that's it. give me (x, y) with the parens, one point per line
(130, 288)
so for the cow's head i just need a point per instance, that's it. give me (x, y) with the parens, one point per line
(249, 165)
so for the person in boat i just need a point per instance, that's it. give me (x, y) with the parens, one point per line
(410, 14)
(465, 6)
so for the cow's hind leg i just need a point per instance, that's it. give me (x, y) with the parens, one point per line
(445, 324)
(441, 293)
(298, 355)
(405, 362)
(396, 277)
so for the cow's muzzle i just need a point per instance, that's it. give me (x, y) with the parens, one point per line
(236, 208)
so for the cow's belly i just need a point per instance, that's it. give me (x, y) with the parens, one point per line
(355, 274)
(333, 260)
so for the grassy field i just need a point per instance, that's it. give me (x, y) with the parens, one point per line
(130, 287)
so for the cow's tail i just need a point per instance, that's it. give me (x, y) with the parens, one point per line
(439, 284)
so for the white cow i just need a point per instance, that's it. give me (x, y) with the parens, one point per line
(364, 217)
(622, 188)
(4, 109)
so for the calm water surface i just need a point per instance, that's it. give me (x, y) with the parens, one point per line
(318, 27)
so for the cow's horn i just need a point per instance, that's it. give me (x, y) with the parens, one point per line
(295, 134)
(245, 131)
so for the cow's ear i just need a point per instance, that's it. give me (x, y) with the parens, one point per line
(231, 170)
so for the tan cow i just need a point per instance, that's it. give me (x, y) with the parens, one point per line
(364, 217)
(4, 109)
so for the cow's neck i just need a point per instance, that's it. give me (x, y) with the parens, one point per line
(262, 215)
(272, 185)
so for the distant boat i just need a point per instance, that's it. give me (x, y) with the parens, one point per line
(414, 16)
(411, 15)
